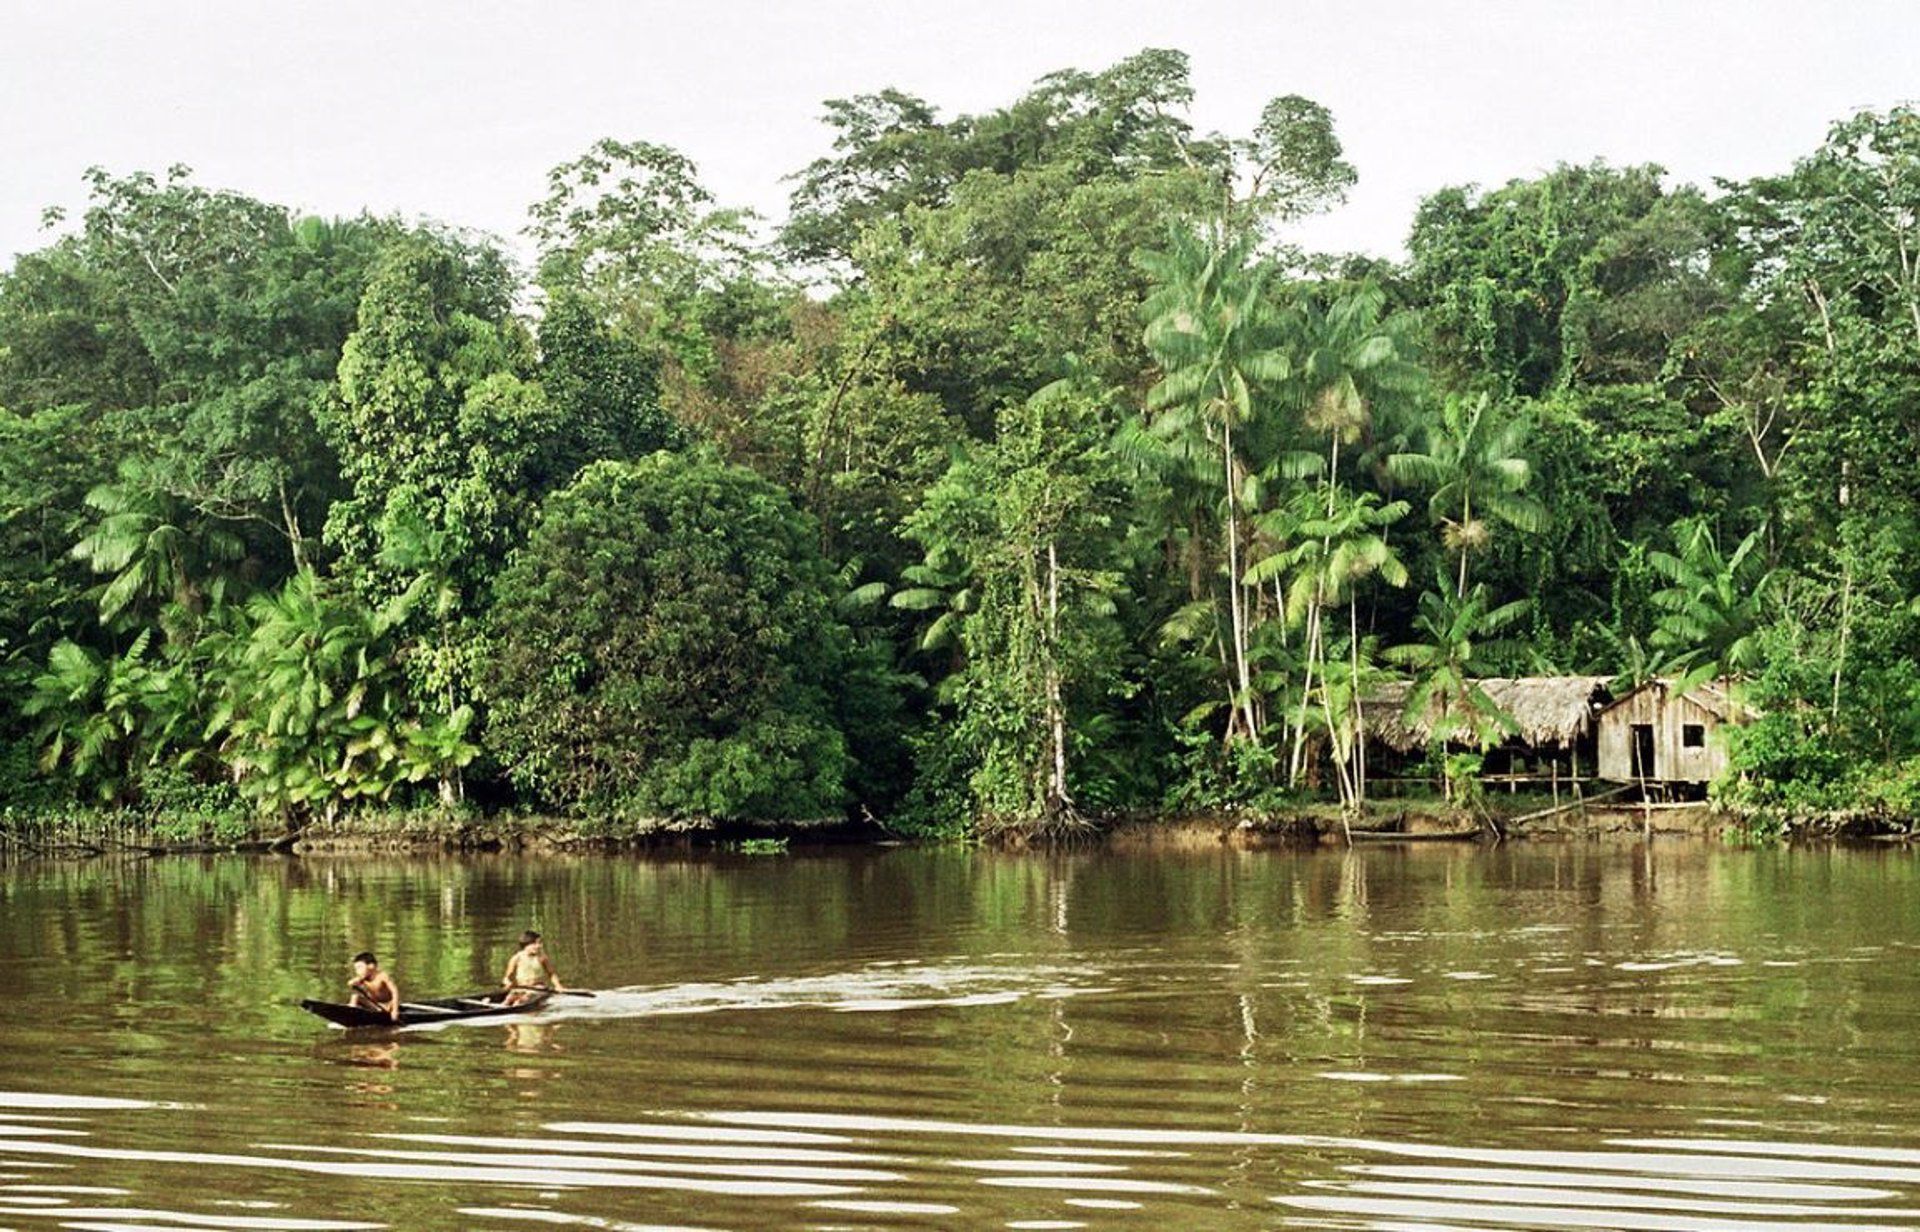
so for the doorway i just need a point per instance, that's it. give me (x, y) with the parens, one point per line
(1641, 743)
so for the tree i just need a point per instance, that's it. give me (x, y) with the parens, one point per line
(1455, 649)
(1474, 466)
(1585, 275)
(1326, 545)
(955, 518)
(104, 718)
(49, 460)
(1711, 608)
(629, 224)
(1035, 524)
(1354, 360)
(665, 648)
(442, 437)
(896, 164)
(628, 227)
(603, 390)
(990, 294)
(892, 153)
(1831, 254)
(166, 359)
(154, 551)
(315, 710)
(205, 327)
(1216, 335)
(1291, 166)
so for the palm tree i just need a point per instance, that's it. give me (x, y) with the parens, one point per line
(1626, 656)
(154, 549)
(1448, 661)
(1215, 334)
(1332, 552)
(315, 706)
(1710, 609)
(943, 583)
(1474, 466)
(1353, 358)
(954, 517)
(103, 717)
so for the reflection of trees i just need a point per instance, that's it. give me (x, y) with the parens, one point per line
(1233, 970)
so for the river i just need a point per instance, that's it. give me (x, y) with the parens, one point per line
(1425, 1037)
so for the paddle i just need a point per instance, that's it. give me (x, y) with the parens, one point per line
(360, 988)
(558, 992)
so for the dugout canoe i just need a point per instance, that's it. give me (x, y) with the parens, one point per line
(419, 1013)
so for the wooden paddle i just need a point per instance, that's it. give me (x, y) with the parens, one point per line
(558, 992)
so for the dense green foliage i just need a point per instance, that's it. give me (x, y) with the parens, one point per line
(674, 612)
(1025, 472)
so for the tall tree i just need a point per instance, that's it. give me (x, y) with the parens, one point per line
(1474, 465)
(1327, 544)
(895, 160)
(1217, 336)
(1036, 522)
(440, 433)
(628, 227)
(1584, 275)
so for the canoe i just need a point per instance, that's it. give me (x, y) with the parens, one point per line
(418, 1013)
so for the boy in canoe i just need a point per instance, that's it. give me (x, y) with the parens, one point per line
(373, 989)
(529, 972)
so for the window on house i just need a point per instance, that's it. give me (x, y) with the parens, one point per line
(1693, 736)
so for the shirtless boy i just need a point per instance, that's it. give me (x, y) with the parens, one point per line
(373, 989)
(529, 971)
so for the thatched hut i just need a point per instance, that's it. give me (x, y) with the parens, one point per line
(1660, 733)
(1553, 719)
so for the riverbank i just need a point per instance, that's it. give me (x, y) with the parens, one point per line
(92, 832)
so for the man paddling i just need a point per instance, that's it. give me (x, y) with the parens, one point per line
(529, 972)
(373, 989)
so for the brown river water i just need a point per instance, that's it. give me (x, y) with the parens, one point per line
(1418, 1038)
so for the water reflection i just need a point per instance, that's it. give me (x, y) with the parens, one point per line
(1579, 1037)
(369, 1056)
(531, 1037)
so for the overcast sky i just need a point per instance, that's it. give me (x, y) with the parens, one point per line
(455, 110)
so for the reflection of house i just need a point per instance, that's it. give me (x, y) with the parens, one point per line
(1553, 724)
(1659, 735)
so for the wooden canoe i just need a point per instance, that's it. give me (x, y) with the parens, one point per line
(418, 1013)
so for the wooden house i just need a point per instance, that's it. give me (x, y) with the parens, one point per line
(1660, 734)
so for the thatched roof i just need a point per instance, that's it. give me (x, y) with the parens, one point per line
(1549, 710)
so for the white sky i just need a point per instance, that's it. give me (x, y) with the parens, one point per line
(455, 109)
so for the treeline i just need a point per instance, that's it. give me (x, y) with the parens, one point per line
(1022, 473)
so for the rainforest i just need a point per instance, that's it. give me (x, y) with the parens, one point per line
(1025, 474)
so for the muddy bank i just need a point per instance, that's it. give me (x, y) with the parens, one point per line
(1497, 819)
(83, 834)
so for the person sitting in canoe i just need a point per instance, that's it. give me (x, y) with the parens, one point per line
(529, 972)
(373, 989)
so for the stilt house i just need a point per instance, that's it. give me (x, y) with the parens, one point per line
(1660, 734)
(1554, 726)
